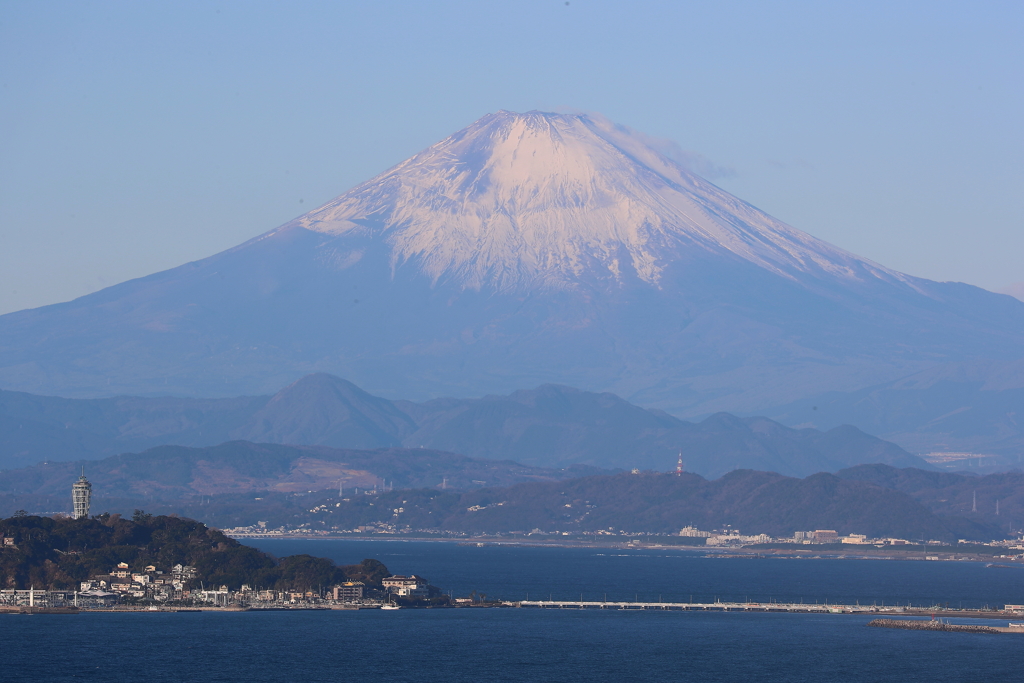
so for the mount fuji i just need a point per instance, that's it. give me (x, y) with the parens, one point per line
(525, 249)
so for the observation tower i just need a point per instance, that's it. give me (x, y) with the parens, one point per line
(81, 495)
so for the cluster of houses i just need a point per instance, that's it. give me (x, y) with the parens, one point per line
(354, 593)
(152, 584)
(122, 585)
(149, 583)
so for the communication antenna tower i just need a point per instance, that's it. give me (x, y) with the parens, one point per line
(679, 465)
(974, 505)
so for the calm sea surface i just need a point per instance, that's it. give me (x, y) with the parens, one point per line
(551, 645)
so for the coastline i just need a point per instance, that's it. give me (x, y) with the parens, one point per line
(801, 552)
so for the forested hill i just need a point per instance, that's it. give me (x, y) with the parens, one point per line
(169, 473)
(649, 502)
(997, 499)
(753, 502)
(58, 553)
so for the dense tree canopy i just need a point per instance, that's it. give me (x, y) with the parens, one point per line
(58, 553)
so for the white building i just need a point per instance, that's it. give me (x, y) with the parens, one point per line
(410, 586)
(737, 539)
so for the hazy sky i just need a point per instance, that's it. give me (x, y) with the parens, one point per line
(137, 136)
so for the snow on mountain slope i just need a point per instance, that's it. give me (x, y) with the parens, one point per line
(526, 249)
(517, 201)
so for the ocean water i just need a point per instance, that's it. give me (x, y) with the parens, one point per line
(520, 572)
(546, 645)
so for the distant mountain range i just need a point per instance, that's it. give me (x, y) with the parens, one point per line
(551, 427)
(975, 408)
(527, 249)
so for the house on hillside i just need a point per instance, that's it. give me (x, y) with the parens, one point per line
(407, 586)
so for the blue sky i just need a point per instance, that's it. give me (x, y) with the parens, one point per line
(139, 136)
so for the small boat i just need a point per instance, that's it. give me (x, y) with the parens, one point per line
(390, 605)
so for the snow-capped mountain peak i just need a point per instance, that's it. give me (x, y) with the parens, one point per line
(522, 200)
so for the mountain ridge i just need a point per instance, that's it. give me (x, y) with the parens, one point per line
(551, 426)
(970, 407)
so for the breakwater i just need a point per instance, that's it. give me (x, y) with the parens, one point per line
(697, 606)
(922, 625)
(719, 606)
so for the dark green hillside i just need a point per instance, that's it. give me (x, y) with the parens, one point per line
(57, 553)
(996, 499)
(753, 502)
(169, 473)
(877, 501)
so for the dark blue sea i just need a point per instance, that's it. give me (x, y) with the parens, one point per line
(549, 645)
